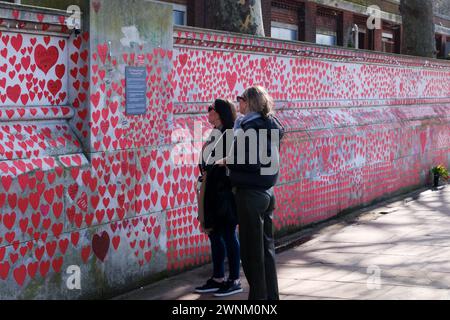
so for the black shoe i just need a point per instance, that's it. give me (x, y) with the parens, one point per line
(210, 286)
(229, 288)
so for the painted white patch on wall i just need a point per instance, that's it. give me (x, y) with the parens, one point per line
(131, 34)
(33, 70)
(163, 241)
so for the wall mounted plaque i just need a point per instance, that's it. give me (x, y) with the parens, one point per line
(136, 90)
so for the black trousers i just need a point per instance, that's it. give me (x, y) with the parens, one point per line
(255, 211)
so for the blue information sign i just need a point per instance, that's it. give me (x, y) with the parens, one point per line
(136, 90)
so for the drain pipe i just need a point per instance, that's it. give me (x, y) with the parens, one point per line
(356, 34)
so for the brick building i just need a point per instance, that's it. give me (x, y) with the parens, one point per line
(327, 22)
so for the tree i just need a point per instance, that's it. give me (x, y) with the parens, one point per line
(242, 16)
(418, 28)
(442, 7)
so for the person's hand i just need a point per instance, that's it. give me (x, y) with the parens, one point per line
(202, 227)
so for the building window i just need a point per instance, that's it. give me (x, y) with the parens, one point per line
(439, 47)
(388, 41)
(362, 38)
(447, 50)
(284, 31)
(326, 32)
(179, 14)
(326, 39)
(363, 33)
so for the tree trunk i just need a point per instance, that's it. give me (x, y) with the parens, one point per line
(442, 7)
(242, 16)
(418, 28)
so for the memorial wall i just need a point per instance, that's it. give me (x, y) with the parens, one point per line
(89, 121)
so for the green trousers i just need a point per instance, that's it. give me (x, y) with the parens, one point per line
(255, 211)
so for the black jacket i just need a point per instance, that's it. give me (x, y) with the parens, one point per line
(249, 175)
(219, 206)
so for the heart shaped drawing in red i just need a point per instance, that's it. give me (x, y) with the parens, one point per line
(14, 93)
(54, 87)
(46, 58)
(231, 79)
(423, 140)
(100, 245)
(16, 42)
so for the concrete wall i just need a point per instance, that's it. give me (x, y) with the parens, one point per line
(361, 125)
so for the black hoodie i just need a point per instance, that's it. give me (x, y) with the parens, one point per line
(250, 175)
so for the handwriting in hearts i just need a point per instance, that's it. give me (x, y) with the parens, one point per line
(46, 58)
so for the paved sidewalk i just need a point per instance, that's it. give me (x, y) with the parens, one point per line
(406, 243)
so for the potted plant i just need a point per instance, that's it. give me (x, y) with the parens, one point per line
(439, 172)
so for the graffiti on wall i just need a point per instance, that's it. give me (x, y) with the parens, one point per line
(347, 142)
(33, 70)
(356, 131)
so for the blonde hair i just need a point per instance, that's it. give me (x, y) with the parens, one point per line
(259, 100)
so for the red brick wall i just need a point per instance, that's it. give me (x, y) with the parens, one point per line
(356, 130)
(308, 14)
(267, 16)
(196, 13)
(285, 15)
(326, 19)
(303, 14)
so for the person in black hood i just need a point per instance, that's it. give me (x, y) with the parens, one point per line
(253, 166)
(217, 208)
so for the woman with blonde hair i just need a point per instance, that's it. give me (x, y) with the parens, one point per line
(253, 178)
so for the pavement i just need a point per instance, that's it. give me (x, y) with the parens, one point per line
(396, 250)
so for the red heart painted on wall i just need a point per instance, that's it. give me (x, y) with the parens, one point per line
(46, 58)
(5, 39)
(57, 264)
(102, 51)
(97, 6)
(74, 57)
(62, 44)
(95, 99)
(77, 42)
(32, 269)
(44, 267)
(74, 238)
(423, 140)
(16, 42)
(54, 87)
(9, 220)
(20, 275)
(100, 245)
(85, 253)
(116, 242)
(14, 93)
(60, 70)
(25, 62)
